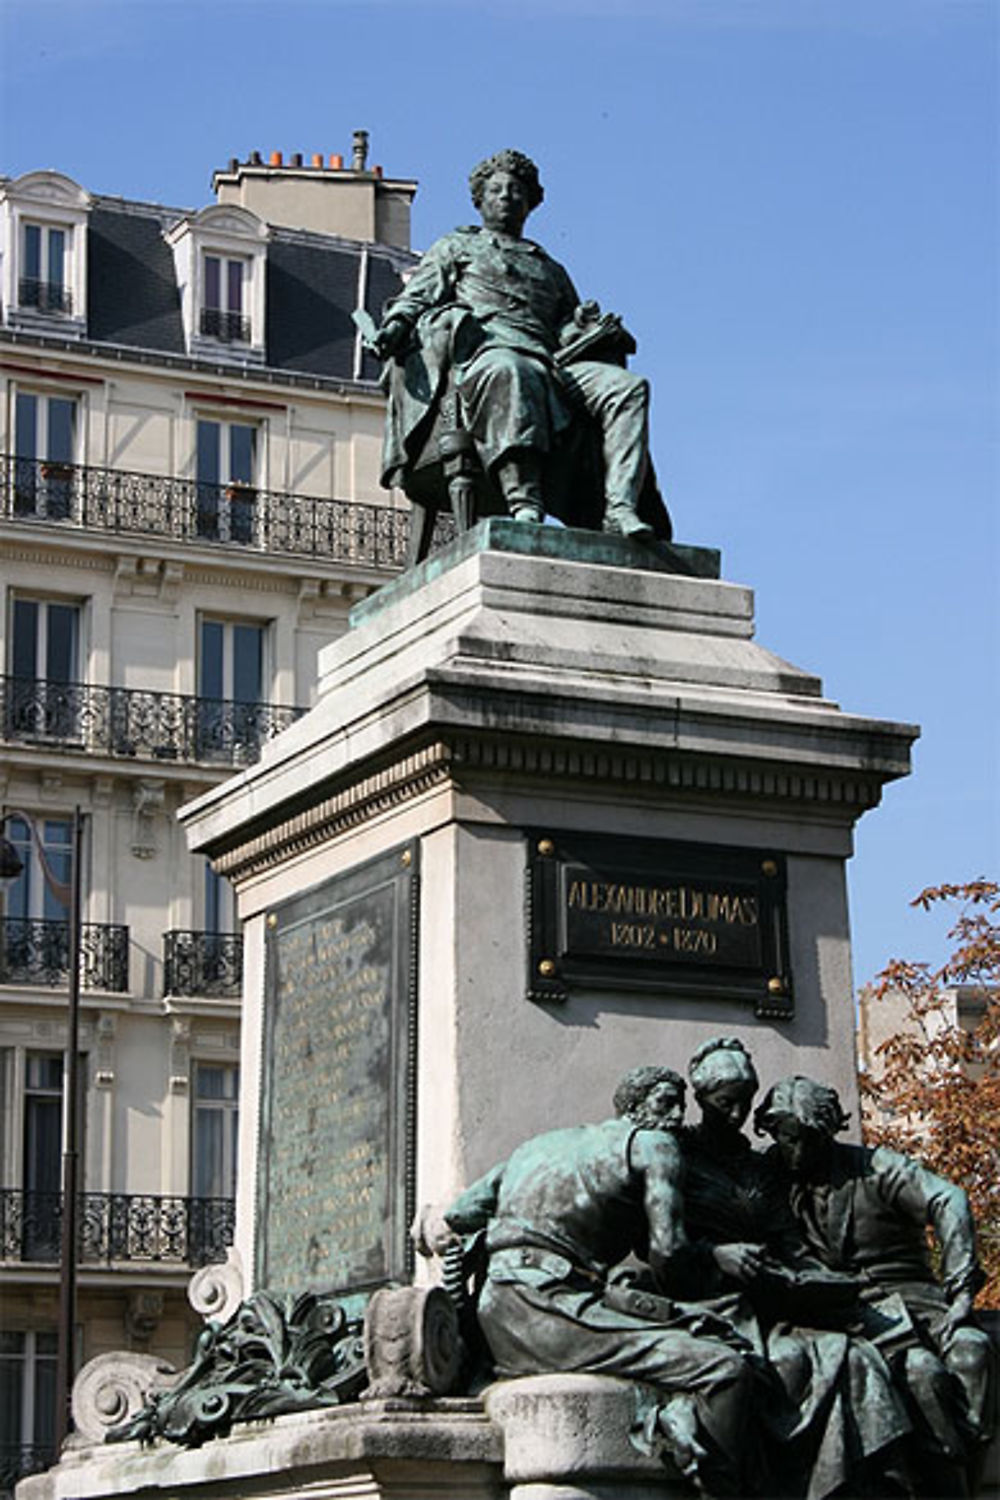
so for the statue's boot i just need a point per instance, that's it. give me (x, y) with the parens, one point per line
(622, 519)
(519, 476)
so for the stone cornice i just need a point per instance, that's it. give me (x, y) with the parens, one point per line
(458, 760)
(358, 800)
(59, 556)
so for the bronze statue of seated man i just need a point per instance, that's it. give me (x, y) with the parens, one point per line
(499, 377)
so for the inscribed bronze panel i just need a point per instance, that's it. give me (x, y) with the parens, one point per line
(651, 914)
(335, 1160)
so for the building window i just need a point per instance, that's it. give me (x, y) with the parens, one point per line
(220, 903)
(27, 1403)
(43, 253)
(215, 1127)
(44, 454)
(223, 313)
(226, 463)
(230, 688)
(43, 1144)
(42, 699)
(35, 927)
(41, 891)
(232, 660)
(43, 281)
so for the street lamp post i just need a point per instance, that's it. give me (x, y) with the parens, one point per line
(71, 1152)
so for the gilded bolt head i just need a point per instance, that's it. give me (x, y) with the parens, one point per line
(546, 968)
(776, 986)
(272, 920)
(406, 859)
(769, 867)
(546, 846)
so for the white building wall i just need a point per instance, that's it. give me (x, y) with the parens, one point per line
(142, 598)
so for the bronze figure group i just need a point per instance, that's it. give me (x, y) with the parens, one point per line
(778, 1309)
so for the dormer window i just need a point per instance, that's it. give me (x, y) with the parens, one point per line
(221, 259)
(43, 252)
(42, 282)
(223, 314)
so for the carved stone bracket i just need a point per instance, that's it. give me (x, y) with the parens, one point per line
(216, 1291)
(412, 1344)
(113, 1388)
(143, 1313)
(148, 801)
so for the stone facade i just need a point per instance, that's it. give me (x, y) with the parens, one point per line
(190, 501)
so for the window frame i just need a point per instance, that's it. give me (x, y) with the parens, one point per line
(226, 502)
(48, 202)
(45, 486)
(228, 233)
(228, 1105)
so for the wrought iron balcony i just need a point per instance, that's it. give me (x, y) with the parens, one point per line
(35, 951)
(202, 963)
(230, 327)
(134, 722)
(117, 1227)
(234, 515)
(18, 1460)
(47, 296)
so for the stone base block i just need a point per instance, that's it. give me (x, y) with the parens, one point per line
(566, 1437)
(376, 1450)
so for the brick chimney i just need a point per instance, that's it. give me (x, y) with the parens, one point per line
(318, 192)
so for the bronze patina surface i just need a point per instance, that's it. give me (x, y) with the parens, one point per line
(334, 1182)
(657, 916)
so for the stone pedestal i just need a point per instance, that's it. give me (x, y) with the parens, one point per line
(380, 1450)
(566, 1437)
(528, 689)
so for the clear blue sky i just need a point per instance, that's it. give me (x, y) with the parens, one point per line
(794, 203)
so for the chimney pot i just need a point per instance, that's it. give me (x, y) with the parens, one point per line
(360, 150)
(377, 171)
(337, 161)
(296, 158)
(255, 159)
(234, 164)
(275, 158)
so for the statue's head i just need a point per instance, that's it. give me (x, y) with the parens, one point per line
(505, 188)
(651, 1096)
(724, 1080)
(802, 1117)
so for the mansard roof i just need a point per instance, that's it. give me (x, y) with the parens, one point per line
(311, 289)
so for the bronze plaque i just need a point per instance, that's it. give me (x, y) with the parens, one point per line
(335, 1163)
(645, 914)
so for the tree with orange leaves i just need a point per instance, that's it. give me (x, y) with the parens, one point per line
(932, 1088)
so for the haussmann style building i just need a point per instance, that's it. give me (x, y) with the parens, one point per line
(190, 431)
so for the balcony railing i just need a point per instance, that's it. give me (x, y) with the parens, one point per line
(35, 951)
(117, 1227)
(202, 963)
(18, 1460)
(233, 515)
(230, 327)
(134, 722)
(47, 296)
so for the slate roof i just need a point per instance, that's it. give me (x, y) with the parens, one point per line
(312, 287)
(132, 295)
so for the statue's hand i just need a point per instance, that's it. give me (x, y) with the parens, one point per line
(391, 338)
(742, 1262)
(430, 1231)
